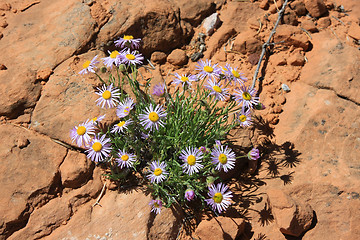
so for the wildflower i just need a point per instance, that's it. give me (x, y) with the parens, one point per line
(156, 206)
(88, 66)
(144, 136)
(218, 143)
(254, 154)
(112, 59)
(99, 148)
(203, 149)
(219, 198)
(158, 172)
(233, 76)
(246, 96)
(124, 107)
(210, 181)
(260, 106)
(216, 89)
(128, 41)
(81, 134)
(159, 89)
(153, 117)
(130, 58)
(108, 96)
(189, 194)
(125, 159)
(184, 79)
(244, 118)
(121, 126)
(96, 120)
(192, 159)
(208, 70)
(223, 158)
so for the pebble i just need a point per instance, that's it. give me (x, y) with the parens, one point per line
(285, 87)
(210, 23)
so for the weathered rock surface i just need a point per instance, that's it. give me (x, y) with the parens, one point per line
(177, 57)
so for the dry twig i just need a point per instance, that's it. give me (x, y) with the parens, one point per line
(101, 194)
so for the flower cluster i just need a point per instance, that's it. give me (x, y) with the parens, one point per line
(174, 145)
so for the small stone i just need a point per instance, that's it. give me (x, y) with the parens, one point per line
(44, 74)
(324, 22)
(309, 25)
(196, 56)
(22, 142)
(299, 7)
(316, 8)
(296, 59)
(210, 23)
(2, 66)
(3, 23)
(278, 59)
(177, 57)
(277, 109)
(285, 87)
(290, 18)
(264, 4)
(354, 31)
(158, 57)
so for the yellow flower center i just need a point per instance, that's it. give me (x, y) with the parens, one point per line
(106, 95)
(94, 119)
(208, 69)
(125, 157)
(86, 64)
(242, 118)
(81, 130)
(223, 158)
(217, 89)
(120, 124)
(246, 96)
(191, 160)
(153, 116)
(235, 73)
(157, 171)
(184, 79)
(128, 37)
(126, 110)
(156, 205)
(97, 147)
(114, 54)
(218, 197)
(130, 56)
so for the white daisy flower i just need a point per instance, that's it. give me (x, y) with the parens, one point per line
(223, 157)
(125, 159)
(108, 96)
(192, 159)
(219, 198)
(89, 66)
(156, 206)
(244, 118)
(152, 118)
(217, 90)
(81, 134)
(184, 79)
(124, 107)
(96, 120)
(121, 126)
(130, 58)
(111, 59)
(233, 76)
(246, 97)
(158, 172)
(208, 70)
(99, 148)
(128, 41)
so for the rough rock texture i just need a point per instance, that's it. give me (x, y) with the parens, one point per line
(25, 157)
(220, 228)
(316, 8)
(292, 217)
(177, 57)
(158, 57)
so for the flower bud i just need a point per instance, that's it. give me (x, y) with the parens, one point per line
(254, 154)
(122, 68)
(189, 194)
(210, 180)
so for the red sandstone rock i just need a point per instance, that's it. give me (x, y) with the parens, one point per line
(354, 31)
(43, 74)
(324, 22)
(296, 59)
(195, 11)
(299, 7)
(158, 57)
(219, 38)
(309, 25)
(316, 8)
(177, 57)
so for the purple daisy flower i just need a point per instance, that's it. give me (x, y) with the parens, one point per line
(112, 59)
(99, 148)
(223, 157)
(244, 118)
(219, 198)
(128, 41)
(81, 134)
(96, 120)
(208, 70)
(156, 206)
(158, 172)
(89, 66)
(254, 154)
(159, 89)
(189, 194)
(121, 126)
(217, 90)
(130, 58)
(233, 76)
(124, 107)
(108, 96)
(246, 96)
(192, 159)
(125, 159)
(184, 79)
(152, 118)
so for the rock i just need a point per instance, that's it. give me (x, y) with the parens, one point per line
(293, 218)
(5, 6)
(1, 35)
(44, 74)
(219, 38)
(210, 23)
(245, 42)
(177, 57)
(290, 17)
(278, 59)
(285, 87)
(296, 59)
(75, 170)
(299, 41)
(309, 25)
(195, 11)
(299, 7)
(158, 57)
(264, 4)
(324, 22)
(29, 175)
(3, 23)
(166, 225)
(3, 67)
(219, 227)
(354, 31)
(316, 8)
